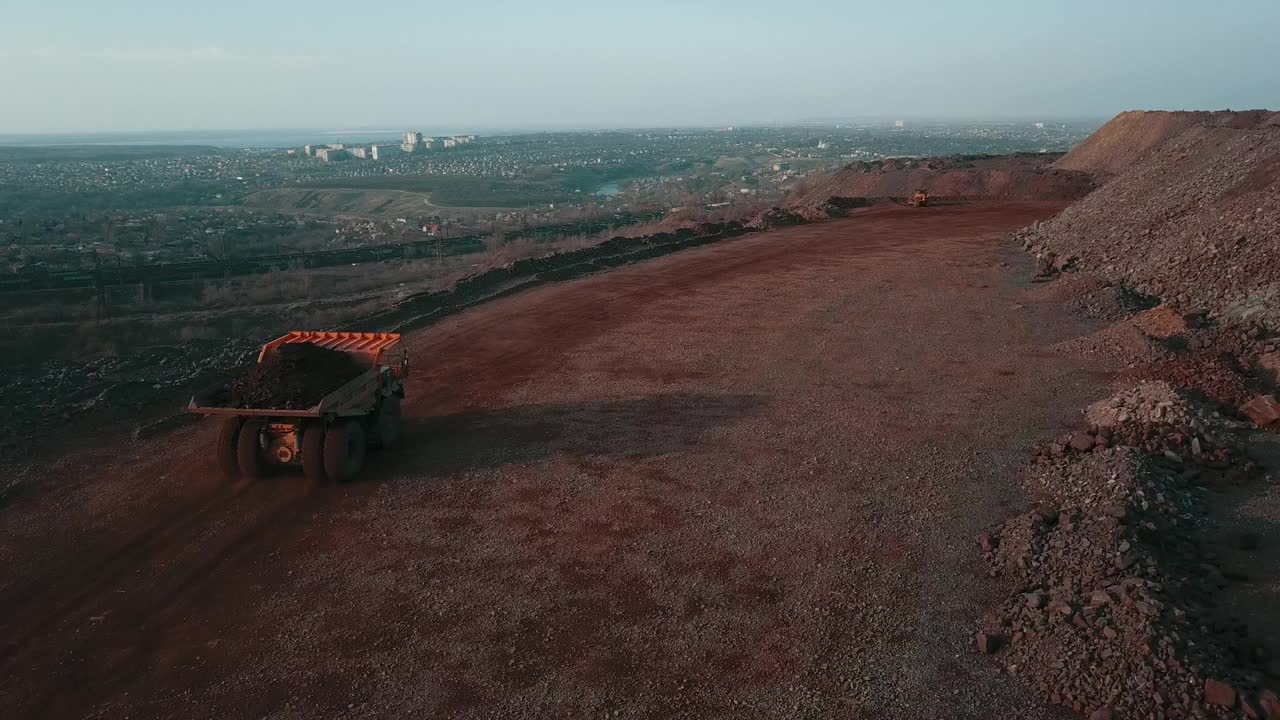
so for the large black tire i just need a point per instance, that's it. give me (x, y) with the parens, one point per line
(249, 451)
(386, 429)
(344, 450)
(313, 451)
(227, 448)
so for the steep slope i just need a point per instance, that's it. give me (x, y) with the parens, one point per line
(1197, 222)
(1025, 176)
(1130, 136)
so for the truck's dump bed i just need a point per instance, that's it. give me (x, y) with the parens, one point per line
(306, 373)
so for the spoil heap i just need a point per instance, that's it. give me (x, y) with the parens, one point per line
(1196, 223)
(775, 218)
(108, 391)
(295, 377)
(1131, 136)
(972, 177)
(1113, 588)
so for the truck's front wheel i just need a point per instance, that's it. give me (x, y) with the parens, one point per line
(344, 449)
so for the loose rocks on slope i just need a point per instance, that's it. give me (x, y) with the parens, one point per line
(776, 217)
(1111, 584)
(39, 400)
(1023, 176)
(1195, 222)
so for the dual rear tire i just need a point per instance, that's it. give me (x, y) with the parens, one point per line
(240, 449)
(313, 451)
(333, 453)
(228, 448)
(344, 450)
(249, 450)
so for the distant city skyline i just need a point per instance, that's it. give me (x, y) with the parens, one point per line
(389, 134)
(264, 138)
(565, 64)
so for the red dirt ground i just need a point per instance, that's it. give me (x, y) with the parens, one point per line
(739, 481)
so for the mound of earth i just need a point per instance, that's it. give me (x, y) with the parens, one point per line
(1113, 587)
(295, 377)
(836, 206)
(1131, 136)
(1196, 223)
(776, 218)
(1025, 176)
(1092, 296)
(108, 390)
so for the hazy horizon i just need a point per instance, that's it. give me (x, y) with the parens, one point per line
(570, 65)
(394, 130)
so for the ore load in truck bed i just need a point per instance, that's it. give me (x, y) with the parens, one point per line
(294, 377)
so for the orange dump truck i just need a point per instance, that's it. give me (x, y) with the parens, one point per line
(326, 438)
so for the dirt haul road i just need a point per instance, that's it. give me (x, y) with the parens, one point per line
(740, 481)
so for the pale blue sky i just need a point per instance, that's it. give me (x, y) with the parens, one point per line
(128, 64)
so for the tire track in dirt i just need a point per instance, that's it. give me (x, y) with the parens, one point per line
(72, 590)
(148, 615)
(70, 587)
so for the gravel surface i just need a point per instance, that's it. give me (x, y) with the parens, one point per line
(739, 481)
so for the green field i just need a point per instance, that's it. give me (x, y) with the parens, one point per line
(456, 191)
(343, 201)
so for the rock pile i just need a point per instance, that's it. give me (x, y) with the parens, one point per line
(1214, 374)
(1121, 343)
(776, 218)
(1147, 402)
(1195, 222)
(1116, 582)
(1161, 322)
(1232, 363)
(836, 206)
(1024, 176)
(1131, 136)
(295, 377)
(1093, 296)
(1112, 588)
(40, 400)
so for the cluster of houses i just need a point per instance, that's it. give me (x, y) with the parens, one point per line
(412, 142)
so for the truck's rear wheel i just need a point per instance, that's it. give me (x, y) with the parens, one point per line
(227, 449)
(313, 451)
(249, 450)
(387, 426)
(344, 449)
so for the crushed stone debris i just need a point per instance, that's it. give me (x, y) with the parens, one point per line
(294, 377)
